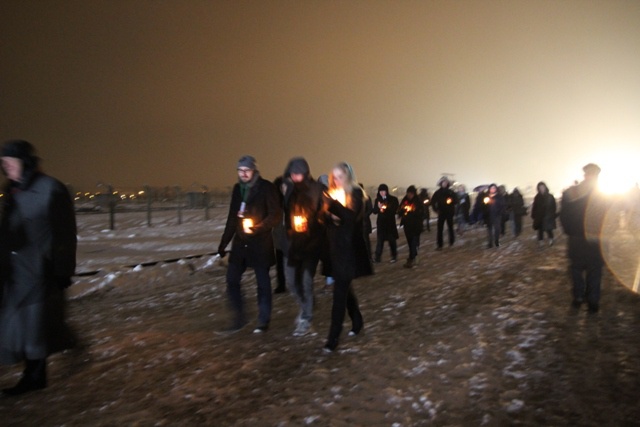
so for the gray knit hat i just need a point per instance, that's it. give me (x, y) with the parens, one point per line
(247, 162)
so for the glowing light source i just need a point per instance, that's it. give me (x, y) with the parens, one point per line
(339, 195)
(247, 223)
(300, 223)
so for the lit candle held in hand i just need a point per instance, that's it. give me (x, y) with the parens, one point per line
(247, 223)
(339, 195)
(299, 224)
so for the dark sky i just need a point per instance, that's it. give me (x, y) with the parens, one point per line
(173, 92)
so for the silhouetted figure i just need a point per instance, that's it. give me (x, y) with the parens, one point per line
(385, 206)
(543, 213)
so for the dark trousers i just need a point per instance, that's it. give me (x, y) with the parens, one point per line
(280, 270)
(393, 246)
(343, 299)
(586, 269)
(413, 241)
(236, 299)
(541, 234)
(493, 231)
(449, 220)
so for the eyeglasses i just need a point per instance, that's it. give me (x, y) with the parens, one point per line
(244, 171)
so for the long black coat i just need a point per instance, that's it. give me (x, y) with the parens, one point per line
(304, 199)
(348, 248)
(38, 257)
(543, 212)
(386, 209)
(263, 207)
(410, 213)
(444, 202)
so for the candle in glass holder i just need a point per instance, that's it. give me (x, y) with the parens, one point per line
(247, 223)
(383, 207)
(339, 195)
(299, 224)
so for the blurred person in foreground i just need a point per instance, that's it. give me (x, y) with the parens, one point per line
(543, 213)
(410, 213)
(37, 259)
(385, 207)
(253, 213)
(444, 202)
(344, 204)
(582, 212)
(303, 208)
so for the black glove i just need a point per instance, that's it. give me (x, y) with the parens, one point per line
(221, 251)
(63, 282)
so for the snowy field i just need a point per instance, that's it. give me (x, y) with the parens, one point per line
(469, 337)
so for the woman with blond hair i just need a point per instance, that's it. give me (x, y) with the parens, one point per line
(344, 204)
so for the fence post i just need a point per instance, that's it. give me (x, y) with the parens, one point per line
(112, 207)
(205, 197)
(179, 202)
(147, 191)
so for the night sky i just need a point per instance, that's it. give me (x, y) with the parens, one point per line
(173, 92)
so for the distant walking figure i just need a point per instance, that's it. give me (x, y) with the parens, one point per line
(543, 213)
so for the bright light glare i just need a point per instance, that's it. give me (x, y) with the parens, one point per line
(619, 174)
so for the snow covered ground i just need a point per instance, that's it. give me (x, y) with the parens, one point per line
(470, 336)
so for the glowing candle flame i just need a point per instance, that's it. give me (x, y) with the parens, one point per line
(383, 207)
(426, 201)
(487, 200)
(339, 195)
(299, 223)
(247, 223)
(449, 201)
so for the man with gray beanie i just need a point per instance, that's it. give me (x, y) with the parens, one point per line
(253, 212)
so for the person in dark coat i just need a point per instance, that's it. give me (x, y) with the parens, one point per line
(543, 212)
(426, 203)
(37, 260)
(410, 213)
(463, 208)
(517, 210)
(582, 212)
(444, 202)
(303, 216)
(494, 207)
(253, 213)
(344, 218)
(385, 207)
(280, 242)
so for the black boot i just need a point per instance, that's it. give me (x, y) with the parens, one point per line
(33, 378)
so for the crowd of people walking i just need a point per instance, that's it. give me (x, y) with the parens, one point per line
(296, 222)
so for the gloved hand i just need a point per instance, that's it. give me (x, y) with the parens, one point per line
(63, 282)
(221, 251)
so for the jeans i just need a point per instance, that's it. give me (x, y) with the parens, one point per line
(300, 280)
(236, 299)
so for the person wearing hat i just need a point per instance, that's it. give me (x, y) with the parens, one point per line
(254, 211)
(303, 208)
(410, 213)
(444, 202)
(385, 206)
(37, 260)
(582, 212)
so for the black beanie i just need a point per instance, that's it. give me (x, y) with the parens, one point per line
(383, 187)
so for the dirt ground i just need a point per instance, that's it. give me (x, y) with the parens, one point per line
(471, 336)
